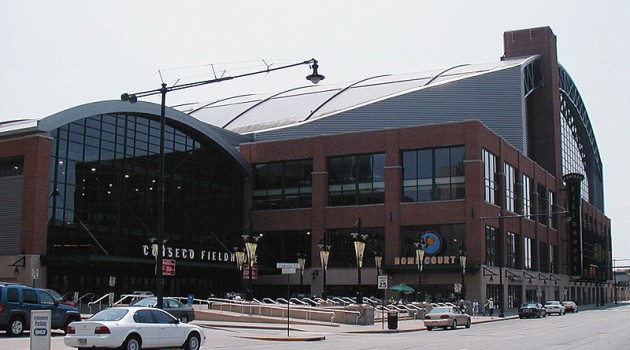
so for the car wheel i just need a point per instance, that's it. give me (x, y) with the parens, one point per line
(521, 317)
(429, 328)
(15, 326)
(132, 342)
(193, 342)
(454, 325)
(183, 319)
(468, 323)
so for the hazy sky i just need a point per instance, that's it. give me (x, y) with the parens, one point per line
(56, 55)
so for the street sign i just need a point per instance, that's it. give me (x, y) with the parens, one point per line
(287, 265)
(382, 282)
(168, 267)
(41, 321)
(288, 271)
(112, 281)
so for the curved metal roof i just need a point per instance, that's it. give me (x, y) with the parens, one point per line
(258, 113)
(225, 139)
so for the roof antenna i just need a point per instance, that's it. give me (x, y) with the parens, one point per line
(268, 65)
(161, 78)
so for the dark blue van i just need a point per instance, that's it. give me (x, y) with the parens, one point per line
(17, 301)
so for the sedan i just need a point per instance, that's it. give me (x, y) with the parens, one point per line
(446, 316)
(532, 310)
(133, 328)
(554, 307)
(570, 306)
(183, 312)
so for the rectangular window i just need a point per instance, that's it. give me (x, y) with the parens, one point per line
(510, 186)
(527, 253)
(491, 246)
(356, 179)
(512, 250)
(544, 257)
(283, 185)
(553, 218)
(543, 205)
(13, 166)
(433, 174)
(527, 196)
(490, 176)
(553, 266)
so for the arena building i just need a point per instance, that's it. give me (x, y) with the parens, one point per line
(475, 181)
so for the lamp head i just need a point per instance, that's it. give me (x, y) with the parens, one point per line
(315, 77)
(129, 98)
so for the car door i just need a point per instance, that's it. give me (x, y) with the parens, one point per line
(148, 328)
(29, 303)
(47, 302)
(171, 333)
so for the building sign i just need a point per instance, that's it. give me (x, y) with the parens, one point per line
(428, 260)
(191, 254)
(574, 198)
(432, 242)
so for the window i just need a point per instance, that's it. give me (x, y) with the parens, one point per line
(13, 166)
(283, 185)
(491, 246)
(543, 205)
(527, 196)
(512, 247)
(452, 237)
(342, 252)
(144, 316)
(162, 317)
(510, 185)
(544, 257)
(29, 296)
(356, 179)
(45, 298)
(13, 295)
(551, 201)
(527, 253)
(433, 174)
(490, 176)
(553, 266)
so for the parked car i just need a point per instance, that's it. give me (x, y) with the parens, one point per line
(554, 307)
(17, 301)
(132, 328)
(60, 299)
(570, 306)
(446, 316)
(529, 310)
(184, 313)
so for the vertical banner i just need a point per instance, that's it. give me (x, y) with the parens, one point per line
(573, 183)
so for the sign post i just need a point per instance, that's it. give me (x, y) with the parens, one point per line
(40, 329)
(382, 284)
(288, 269)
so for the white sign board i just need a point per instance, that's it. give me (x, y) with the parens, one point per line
(382, 282)
(40, 329)
(288, 271)
(287, 265)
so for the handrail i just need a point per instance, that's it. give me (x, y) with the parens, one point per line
(97, 301)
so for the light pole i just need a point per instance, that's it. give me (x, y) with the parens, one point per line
(324, 255)
(314, 77)
(420, 246)
(301, 262)
(359, 249)
(462, 262)
(251, 243)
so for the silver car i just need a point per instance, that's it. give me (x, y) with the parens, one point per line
(445, 317)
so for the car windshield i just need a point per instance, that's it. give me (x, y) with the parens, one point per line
(109, 315)
(440, 310)
(553, 303)
(55, 295)
(528, 305)
(148, 302)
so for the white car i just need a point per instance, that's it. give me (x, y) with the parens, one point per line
(554, 307)
(134, 328)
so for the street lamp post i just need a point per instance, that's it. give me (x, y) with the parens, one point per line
(324, 255)
(314, 77)
(251, 243)
(378, 261)
(301, 263)
(420, 246)
(462, 262)
(359, 249)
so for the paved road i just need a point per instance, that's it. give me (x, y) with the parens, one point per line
(601, 328)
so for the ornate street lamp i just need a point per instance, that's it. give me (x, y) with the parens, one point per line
(324, 255)
(420, 246)
(302, 263)
(378, 261)
(462, 262)
(240, 257)
(251, 243)
(314, 77)
(359, 249)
